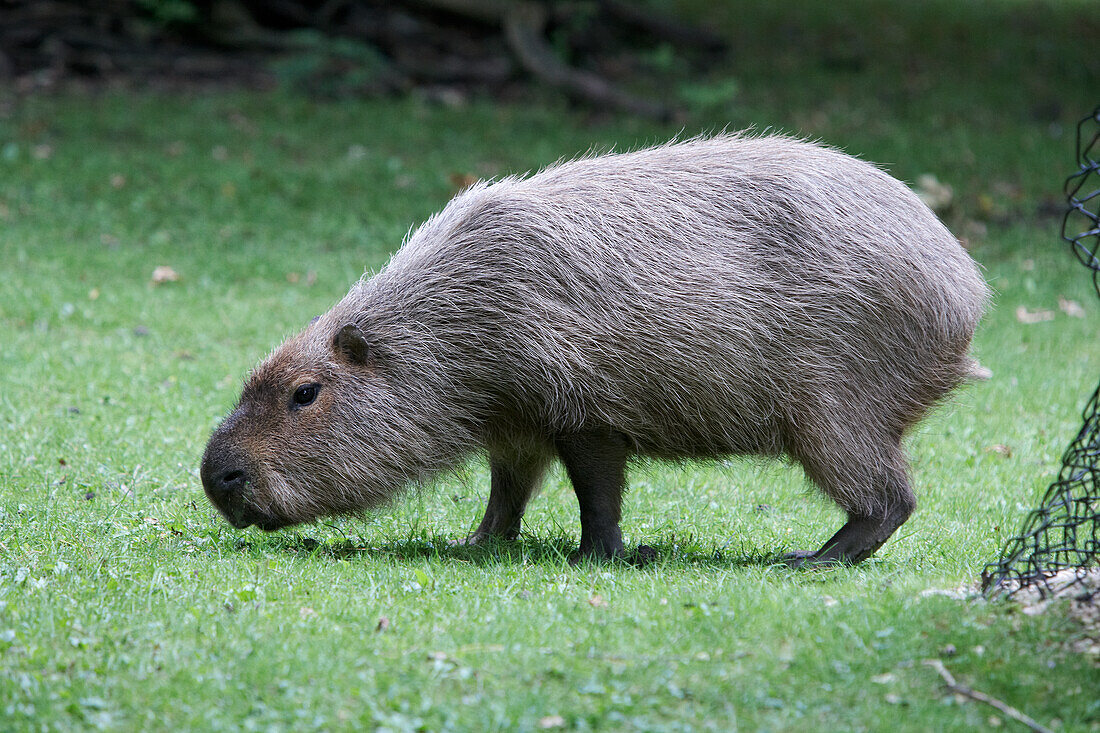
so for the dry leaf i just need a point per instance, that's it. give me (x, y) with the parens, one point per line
(1000, 449)
(1023, 315)
(165, 274)
(935, 195)
(986, 205)
(241, 122)
(42, 152)
(597, 601)
(383, 624)
(462, 181)
(93, 294)
(118, 180)
(552, 721)
(1071, 308)
(974, 230)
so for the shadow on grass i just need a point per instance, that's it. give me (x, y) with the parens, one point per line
(554, 551)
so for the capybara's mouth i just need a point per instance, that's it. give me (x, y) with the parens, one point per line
(244, 517)
(236, 516)
(240, 522)
(268, 524)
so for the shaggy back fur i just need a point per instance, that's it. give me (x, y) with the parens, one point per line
(730, 295)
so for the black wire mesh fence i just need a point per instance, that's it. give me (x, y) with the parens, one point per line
(1059, 543)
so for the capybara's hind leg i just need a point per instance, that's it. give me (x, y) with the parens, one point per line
(596, 463)
(856, 540)
(875, 494)
(514, 478)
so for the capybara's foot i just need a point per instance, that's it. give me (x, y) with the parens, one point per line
(807, 559)
(796, 558)
(598, 553)
(639, 557)
(643, 555)
(580, 556)
(860, 536)
(480, 539)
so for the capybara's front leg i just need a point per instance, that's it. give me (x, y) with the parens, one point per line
(596, 463)
(515, 477)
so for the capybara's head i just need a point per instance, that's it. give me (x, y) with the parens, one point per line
(321, 428)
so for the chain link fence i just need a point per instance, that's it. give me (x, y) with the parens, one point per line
(1058, 545)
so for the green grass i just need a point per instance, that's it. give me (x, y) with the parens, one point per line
(126, 603)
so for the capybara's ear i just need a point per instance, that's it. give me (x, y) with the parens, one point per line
(351, 343)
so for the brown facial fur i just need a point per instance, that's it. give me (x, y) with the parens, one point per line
(282, 446)
(264, 432)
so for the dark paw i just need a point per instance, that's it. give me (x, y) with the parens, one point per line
(579, 557)
(797, 558)
(807, 560)
(481, 540)
(642, 556)
(576, 557)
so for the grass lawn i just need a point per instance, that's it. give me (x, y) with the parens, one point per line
(126, 603)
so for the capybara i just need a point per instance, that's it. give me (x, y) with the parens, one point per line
(730, 295)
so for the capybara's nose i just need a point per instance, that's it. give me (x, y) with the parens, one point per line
(224, 474)
(227, 483)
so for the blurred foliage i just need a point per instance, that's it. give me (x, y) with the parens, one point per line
(331, 66)
(169, 12)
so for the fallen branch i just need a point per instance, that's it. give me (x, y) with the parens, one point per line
(524, 24)
(961, 689)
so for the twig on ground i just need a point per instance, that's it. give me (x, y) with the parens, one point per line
(961, 689)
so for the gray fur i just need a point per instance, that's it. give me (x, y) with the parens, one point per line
(720, 296)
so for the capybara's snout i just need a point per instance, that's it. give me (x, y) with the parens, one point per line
(228, 481)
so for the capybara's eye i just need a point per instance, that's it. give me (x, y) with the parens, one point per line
(305, 394)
